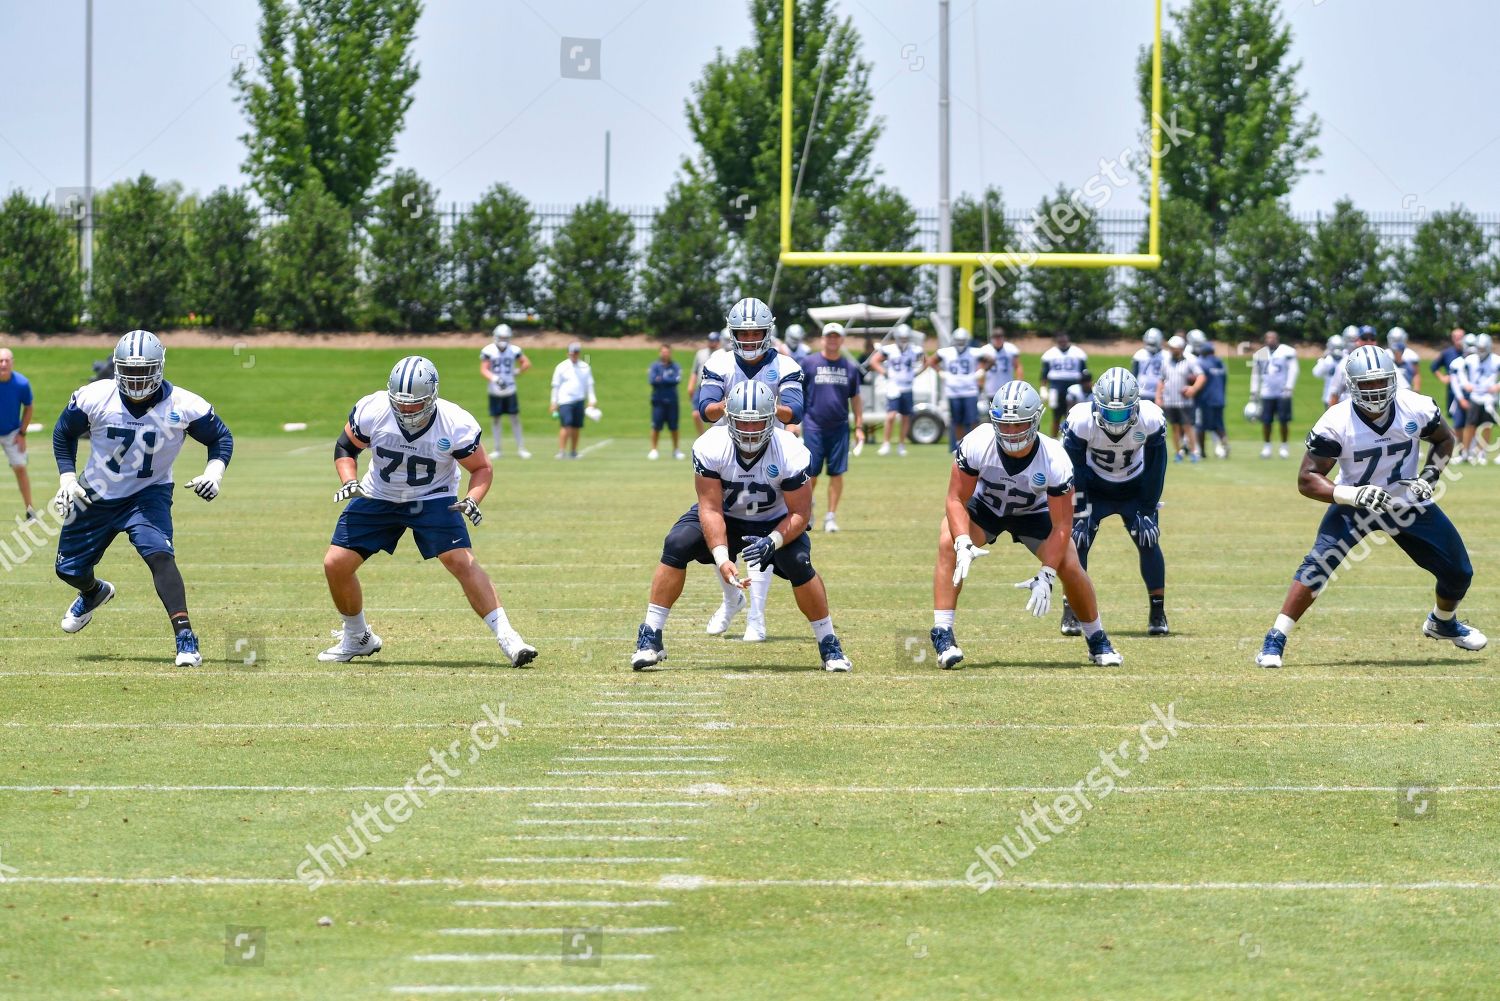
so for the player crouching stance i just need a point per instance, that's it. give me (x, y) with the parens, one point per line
(136, 425)
(1025, 482)
(1373, 436)
(418, 441)
(753, 499)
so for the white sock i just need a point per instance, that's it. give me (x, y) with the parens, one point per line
(497, 434)
(498, 622)
(1091, 628)
(1285, 625)
(656, 616)
(760, 589)
(942, 618)
(354, 625)
(730, 592)
(1438, 613)
(822, 627)
(515, 431)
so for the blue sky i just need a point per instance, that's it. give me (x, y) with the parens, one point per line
(1404, 91)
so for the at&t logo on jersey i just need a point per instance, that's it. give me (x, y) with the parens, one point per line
(444, 444)
(1039, 479)
(771, 470)
(173, 417)
(1140, 436)
(1411, 427)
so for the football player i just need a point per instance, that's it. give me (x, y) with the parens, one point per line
(417, 443)
(1374, 436)
(899, 362)
(136, 424)
(1408, 362)
(1118, 445)
(1062, 367)
(1273, 379)
(749, 358)
(1000, 360)
(1147, 363)
(500, 362)
(795, 338)
(1008, 477)
(1330, 368)
(1476, 379)
(960, 373)
(753, 500)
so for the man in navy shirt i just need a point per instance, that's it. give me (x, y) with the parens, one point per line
(15, 417)
(831, 385)
(665, 376)
(1442, 367)
(1210, 401)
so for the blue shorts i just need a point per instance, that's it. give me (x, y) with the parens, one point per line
(500, 405)
(685, 544)
(1275, 408)
(1211, 419)
(1179, 416)
(145, 516)
(1030, 530)
(368, 525)
(830, 447)
(664, 413)
(570, 414)
(1472, 417)
(963, 410)
(900, 404)
(1429, 539)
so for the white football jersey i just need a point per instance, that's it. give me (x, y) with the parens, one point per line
(1002, 366)
(1116, 461)
(1366, 453)
(504, 365)
(723, 369)
(1478, 378)
(408, 468)
(1275, 371)
(1064, 366)
(960, 372)
(1047, 471)
(1407, 366)
(756, 492)
(129, 453)
(901, 364)
(1331, 371)
(1148, 370)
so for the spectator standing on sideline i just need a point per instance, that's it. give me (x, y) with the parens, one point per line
(831, 384)
(500, 362)
(572, 389)
(665, 376)
(15, 399)
(1273, 378)
(696, 378)
(1442, 367)
(1211, 400)
(1182, 379)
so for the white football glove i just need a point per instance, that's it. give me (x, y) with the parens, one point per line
(967, 553)
(469, 508)
(71, 495)
(206, 485)
(1420, 490)
(351, 488)
(1040, 586)
(1372, 498)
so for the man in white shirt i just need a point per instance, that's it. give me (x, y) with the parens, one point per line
(960, 373)
(1001, 362)
(1181, 380)
(500, 362)
(1062, 368)
(699, 360)
(1273, 377)
(572, 387)
(898, 364)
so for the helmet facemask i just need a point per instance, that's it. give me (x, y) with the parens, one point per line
(1374, 393)
(1016, 435)
(138, 378)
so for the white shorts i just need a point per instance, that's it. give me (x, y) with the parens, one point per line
(14, 452)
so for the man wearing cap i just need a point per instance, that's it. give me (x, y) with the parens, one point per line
(1442, 367)
(1181, 380)
(15, 399)
(831, 387)
(572, 389)
(699, 360)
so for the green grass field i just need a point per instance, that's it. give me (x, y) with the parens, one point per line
(738, 825)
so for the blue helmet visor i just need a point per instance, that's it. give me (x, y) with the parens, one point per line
(1116, 415)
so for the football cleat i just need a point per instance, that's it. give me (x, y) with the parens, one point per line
(495, 454)
(1157, 624)
(1069, 625)
(648, 648)
(187, 650)
(523, 453)
(518, 650)
(1460, 634)
(653, 455)
(1272, 649)
(949, 655)
(344, 651)
(833, 655)
(679, 455)
(755, 628)
(1102, 652)
(81, 612)
(718, 623)
(1220, 452)
(900, 449)
(1284, 453)
(829, 523)
(1265, 451)
(884, 449)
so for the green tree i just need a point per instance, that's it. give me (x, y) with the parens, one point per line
(876, 217)
(1231, 107)
(1182, 293)
(1446, 275)
(39, 289)
(759, 248)
(140, 261)
(495, 254)
(1000, 284)
(1075, 300)
(591, 278)
(226, 266)
(405, 257)
(1266, 260)
(683, 281)
(1345, 274)
(312, 279)
(735, 115)
(334, 84)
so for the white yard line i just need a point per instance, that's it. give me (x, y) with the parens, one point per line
(596, 445)
(505, 990)
(636, 805)
(599, 837)
(642, 747)
(793, 790)
(625, 821)
(584, 860)
(642, 757)
(652, 704)
(608, 904)
(489, 932)
(516, 957)
(664, 771)
(632, 714)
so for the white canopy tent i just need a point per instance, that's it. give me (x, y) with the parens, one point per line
(860, 317)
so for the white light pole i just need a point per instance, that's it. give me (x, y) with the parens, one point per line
(945, 217)
(88, 151)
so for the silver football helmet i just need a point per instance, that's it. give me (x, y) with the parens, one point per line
(413, 383)
(139, 361)
(1152, 339)
(1370, 375)
(1117, 402)
(749, 327)
(1197, 341)
(751, 412)
(1350, 334)
(1484, 345)
(795, 336)
(501, 335)
(1395, 340)
(1336, 346)
(961, 338)
(1015, 404)
(1471, 344)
